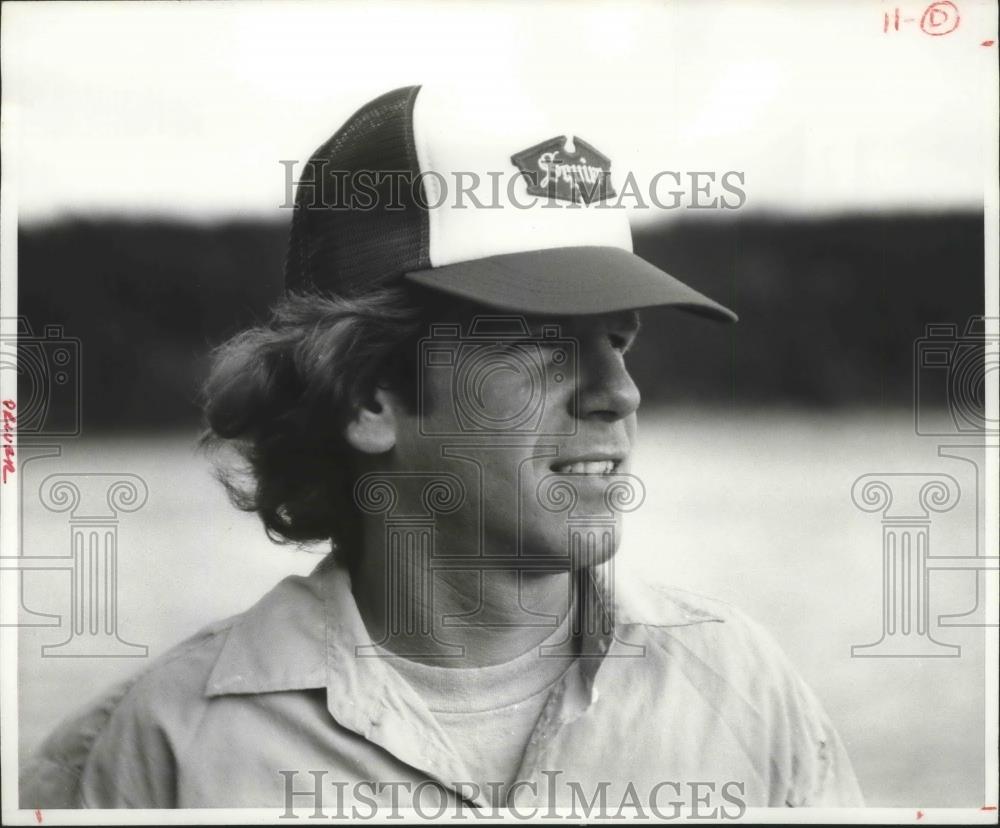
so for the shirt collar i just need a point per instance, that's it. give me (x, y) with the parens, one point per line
(307, 633)
(637, 602)
(277, 644)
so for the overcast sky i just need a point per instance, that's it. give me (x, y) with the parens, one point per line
(186, 108)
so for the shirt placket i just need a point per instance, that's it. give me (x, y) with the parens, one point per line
(372, 700)
(576, 692)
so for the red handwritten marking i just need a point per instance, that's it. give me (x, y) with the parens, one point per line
(940, 18)
(920, 814)
(988, 808)
(9, 423)
(38, 815)
(987, 43)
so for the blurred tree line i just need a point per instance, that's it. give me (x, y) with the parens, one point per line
(829, 308)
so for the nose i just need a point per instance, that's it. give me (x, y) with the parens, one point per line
(605, 389)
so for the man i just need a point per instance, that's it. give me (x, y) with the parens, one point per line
(443, 395)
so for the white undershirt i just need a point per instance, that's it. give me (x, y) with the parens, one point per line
(489, 713)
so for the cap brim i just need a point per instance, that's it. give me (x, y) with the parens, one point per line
(568, 281)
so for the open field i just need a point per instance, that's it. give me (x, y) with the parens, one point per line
(751, 508)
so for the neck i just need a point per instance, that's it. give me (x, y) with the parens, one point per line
(458, 618)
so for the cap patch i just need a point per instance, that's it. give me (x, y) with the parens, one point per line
(553, 172)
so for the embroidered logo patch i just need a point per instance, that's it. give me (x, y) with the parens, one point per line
(582, 175)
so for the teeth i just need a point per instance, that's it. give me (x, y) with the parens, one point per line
(587, 467)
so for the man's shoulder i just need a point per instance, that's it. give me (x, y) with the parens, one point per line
(159, 699)
(145, 701)
(733, 663)
(649, 602)
(182, 672)
(710, 650)
(178, 683)
(717, 635)
(122, 746)
(280, 632)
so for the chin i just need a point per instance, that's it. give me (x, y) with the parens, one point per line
(586, 560)
(574, 548)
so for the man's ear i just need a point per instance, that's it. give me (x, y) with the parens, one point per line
(373, 429)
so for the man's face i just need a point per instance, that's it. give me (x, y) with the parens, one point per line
(536, 418)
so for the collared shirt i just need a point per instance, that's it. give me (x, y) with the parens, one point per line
(675, 697)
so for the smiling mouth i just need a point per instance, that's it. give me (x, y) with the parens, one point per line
(591, 467)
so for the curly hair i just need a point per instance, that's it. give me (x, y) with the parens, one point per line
(281, 394)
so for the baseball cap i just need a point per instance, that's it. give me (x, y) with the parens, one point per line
(481, 197)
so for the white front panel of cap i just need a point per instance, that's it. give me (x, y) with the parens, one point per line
(480, 204)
